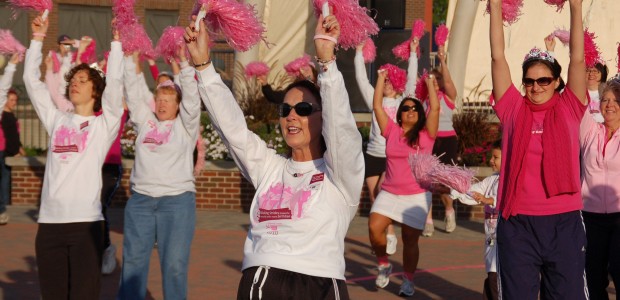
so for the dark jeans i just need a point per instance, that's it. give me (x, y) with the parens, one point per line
(5, 183)
(602, 252)
(110, 178)
(69, 259)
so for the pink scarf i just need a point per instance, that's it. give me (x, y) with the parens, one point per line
(558, 173)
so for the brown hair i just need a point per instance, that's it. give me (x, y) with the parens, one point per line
(168, 89)
(94, 76)
(613, 85)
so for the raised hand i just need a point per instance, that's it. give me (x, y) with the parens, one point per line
(39, 28)
(550, 42)
(198, 44)
(413, 45)
(326, 37)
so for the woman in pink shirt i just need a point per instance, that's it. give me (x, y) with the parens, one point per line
(600, 169)
(540, 234)
(401, 198)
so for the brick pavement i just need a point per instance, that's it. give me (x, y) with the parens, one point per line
(451, 265)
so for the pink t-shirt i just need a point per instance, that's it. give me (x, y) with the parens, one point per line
(399, 179)
(531, 198)
(600, 168)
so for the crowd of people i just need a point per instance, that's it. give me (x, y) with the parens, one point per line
(552, 207)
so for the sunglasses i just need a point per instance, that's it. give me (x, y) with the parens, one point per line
(542, 81)
(303, 109)
(406, 108)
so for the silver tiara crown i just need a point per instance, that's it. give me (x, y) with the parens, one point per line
(96, 67)
(536, 53)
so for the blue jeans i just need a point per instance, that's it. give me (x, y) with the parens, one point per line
(5, 183)
(169, 221)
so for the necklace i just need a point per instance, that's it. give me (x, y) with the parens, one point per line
(300, 174)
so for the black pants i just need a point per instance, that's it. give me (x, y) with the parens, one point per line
(283, 284)
(490, 287)
(542, 255)
(110, 179)
(602, 252)
(69, 260)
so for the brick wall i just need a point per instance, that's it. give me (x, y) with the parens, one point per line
(219, 186)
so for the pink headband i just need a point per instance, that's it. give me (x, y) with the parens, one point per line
(167, 83)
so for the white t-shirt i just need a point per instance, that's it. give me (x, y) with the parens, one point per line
(298, 223)
(78, 144)
(594, 107)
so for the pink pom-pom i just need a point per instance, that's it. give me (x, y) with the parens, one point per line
(428, 170)
(369, 51)
(124, 12)
(55, 61)
(402, 50)
(202, 153)
(294, 66)
(36, 5)
(256, 68)
(89, 55)
(169, 42)
(355, 24)
(134, 38)
(396, 76)
(591, 51)
(9, 45)
(558, 3)
(233, 20)
(511, 10)
(441, 35)
(417, 30)
(421, 90)
(563, 35)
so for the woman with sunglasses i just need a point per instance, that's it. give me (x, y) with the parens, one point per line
(401, 198)
(374, 157)
(540, 234)
(70, 237)
(304, 202)
(600, 169)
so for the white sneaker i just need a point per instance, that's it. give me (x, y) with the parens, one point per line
(429, 228)
(109, 260)
(384, 276)
(406, 288)
(450, 221)
(392, 241)
(4, 218)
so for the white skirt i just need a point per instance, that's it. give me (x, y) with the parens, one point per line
(410, 210)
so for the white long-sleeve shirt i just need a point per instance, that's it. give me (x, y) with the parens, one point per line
(298, 223)
(78, 144)
(5, 84)
(376, 142)
(164, 164)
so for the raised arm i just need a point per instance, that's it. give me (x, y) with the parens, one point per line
(412, 69)
(7, 80)
(500, 72)
(37, 91)
(377, 105)
(432, 118)
(448, 84)
(139, 108)
(112, 98)
(577, 66)
(362, 78)
(190, 106)
(343, 158)
(53, 82)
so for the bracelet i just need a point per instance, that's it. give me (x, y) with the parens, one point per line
(38, 34)
(326, 37)
(202, 64)
(324, 63)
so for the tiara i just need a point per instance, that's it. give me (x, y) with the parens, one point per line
(536, 53)
(96, 67)
(615, 79)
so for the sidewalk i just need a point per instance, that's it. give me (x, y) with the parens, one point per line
(451, 265)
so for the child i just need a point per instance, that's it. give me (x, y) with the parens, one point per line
(485, 192)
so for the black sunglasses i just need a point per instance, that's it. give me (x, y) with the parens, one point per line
(406, 108)
(302, 109)
(542, 81)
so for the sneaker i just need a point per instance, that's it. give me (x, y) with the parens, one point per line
(406, 288)
(4, 218)
(384, 276)
(450, 222)
(392, 241)
(429, 228)
(109, 260)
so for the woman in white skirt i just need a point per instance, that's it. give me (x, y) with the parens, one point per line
(401, 198)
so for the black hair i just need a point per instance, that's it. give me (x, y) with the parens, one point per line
(554, 67)
(604, 71)
(94, 76)
(497, 145)
(414, 133)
